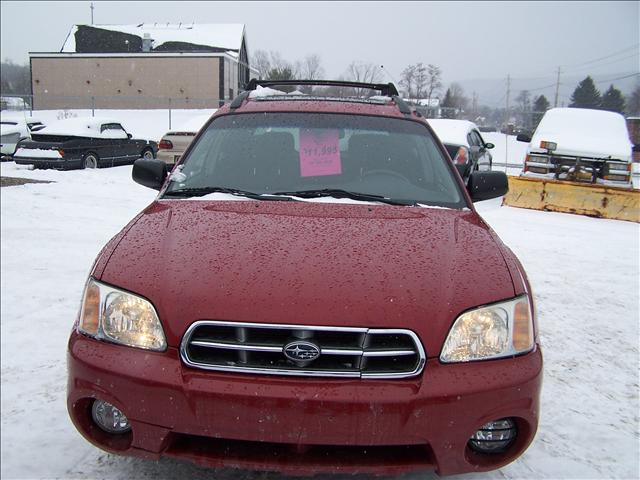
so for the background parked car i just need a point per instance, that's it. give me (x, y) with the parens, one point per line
(14, 128)
(83, 143)
(581, 145)
(175, 142)
(465, 145)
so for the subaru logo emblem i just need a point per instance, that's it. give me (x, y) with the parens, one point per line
(299, 351)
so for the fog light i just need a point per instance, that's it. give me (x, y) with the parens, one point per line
(494, 437)
(109, 418)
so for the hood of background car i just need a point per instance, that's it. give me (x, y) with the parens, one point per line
(310, 264)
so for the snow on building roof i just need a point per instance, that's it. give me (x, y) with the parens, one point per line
(424, 102)
(582, 131)
(452, 131)
(219, 35)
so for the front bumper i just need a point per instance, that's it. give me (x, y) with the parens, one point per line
(301, 425)
(169, 157)
(57, 163)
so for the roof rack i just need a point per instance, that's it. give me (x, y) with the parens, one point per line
(386, 89)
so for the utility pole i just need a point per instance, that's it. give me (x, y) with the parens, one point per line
(506, 126)
(555, 102)
(506, 115)
(91, 13)
(475, 105)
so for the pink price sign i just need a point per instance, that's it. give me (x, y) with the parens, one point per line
(319, 152)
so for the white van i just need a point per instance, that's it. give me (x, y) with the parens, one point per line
(581, 145)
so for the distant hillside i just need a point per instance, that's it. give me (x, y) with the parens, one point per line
(492, 91)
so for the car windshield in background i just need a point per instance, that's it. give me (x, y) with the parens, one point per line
(360, 157)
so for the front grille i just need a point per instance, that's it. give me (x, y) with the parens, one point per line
(349, 352)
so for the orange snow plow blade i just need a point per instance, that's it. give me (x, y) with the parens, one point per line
(570, 197)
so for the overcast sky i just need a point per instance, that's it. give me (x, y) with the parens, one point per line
(466, 39)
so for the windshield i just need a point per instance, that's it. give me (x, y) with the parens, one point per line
(328, 154)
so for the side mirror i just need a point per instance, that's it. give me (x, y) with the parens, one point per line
(523, 138)
(636, 147)
(462, 169)
(487, 185)
(129, 136)
(150, 173)
(489, 146)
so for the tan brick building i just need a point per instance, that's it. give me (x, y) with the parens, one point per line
(142, 66)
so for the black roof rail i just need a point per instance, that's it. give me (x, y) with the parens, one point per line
(402, 105)
(386, 89)
(239, 99)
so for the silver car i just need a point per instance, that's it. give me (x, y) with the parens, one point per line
(175, 142)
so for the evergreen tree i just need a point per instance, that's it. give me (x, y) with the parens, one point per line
(613, 100)
(282, 73)
(540, 105)
(586, 95)
(447, 105)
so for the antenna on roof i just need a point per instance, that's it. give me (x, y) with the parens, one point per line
(91, 7)
(388, 74)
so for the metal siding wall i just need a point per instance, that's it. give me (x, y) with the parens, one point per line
(126, 82)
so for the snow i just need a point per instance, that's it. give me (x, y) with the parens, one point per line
(145, 124)
(194, 124)
(221, 35)
(12, 121)
(79, 127)
(587, 299)
(265, 92)
(584, 132)
(452, 131)
(36, 153)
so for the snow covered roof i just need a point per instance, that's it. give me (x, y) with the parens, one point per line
(218, 35)
(581, 131)
(424, 102)
(452, 131)
(80, 127)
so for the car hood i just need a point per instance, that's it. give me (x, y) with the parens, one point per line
(310, 264)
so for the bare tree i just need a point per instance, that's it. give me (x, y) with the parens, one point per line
(310, 68)
(260, 61)
(363, 72)
(434, 81)
(421, 79)
(407, 80)
(278, 62)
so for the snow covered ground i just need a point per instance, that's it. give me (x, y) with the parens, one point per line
(147, 124)
(586, 278)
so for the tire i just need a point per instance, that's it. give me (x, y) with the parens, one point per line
(90, 160)
(147, 154)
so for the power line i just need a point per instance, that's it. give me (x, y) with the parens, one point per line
(618, 78)
(605, 57)
(634, 55)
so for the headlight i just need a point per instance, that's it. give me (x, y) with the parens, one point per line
(494, 331)
(120, 317)
(538, 159)
(623, 167)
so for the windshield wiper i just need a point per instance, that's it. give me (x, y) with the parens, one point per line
(201, 191)
(339, 193)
